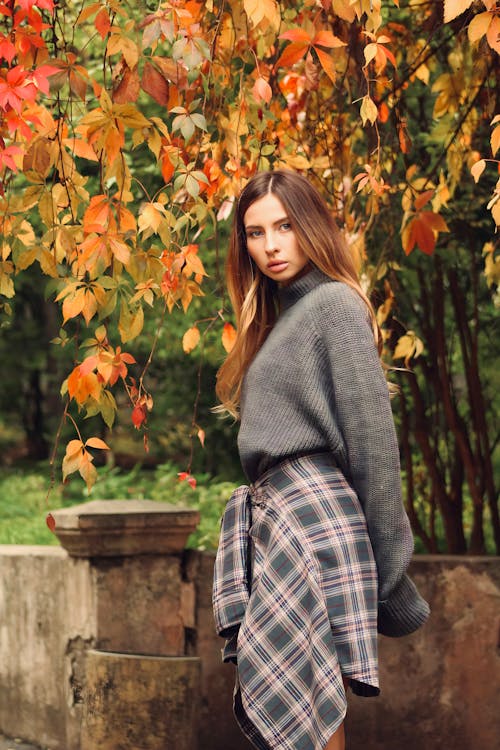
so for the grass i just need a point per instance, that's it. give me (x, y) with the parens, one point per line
(24, 504)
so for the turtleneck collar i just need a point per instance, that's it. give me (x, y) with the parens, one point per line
(292, 292)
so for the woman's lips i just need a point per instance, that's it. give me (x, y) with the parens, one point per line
(277, 266)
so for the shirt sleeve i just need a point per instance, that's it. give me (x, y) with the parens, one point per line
(362, 410)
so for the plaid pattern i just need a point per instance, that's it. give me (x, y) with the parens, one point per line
(231, 574)
(312, 613)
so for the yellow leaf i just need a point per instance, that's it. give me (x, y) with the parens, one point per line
(95, 442)
(26, 259)
(190, 339)
(131, 322)
(495, 212)
(150, 217)
(454, 8)
(6, 283)
(266, 11)
(344, 9)
(295, 161)
(118, 43)
(368, 110)
(369, 52)
(72, 458)
(201, 437)
(479, 26)
(87, 470)
(495, 140)
(408, 346)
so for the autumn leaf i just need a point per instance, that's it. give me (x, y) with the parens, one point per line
(185, 476)
(408, 347)
(78, 458)
(95, 442)
(262, 12)
(262, 91)
(228, 336)
(82, 387)
(15, 88)
(102, 22)
(368, 110)
(454, 8)
(154, 83)
(477, 169)
(422, 230)
(191, 339)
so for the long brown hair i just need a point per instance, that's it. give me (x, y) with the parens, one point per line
(253, 295)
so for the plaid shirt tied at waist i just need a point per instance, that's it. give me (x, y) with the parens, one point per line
(231, 589)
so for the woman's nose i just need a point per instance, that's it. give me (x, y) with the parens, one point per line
(270, 242)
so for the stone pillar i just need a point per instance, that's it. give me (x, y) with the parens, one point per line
(141, 686)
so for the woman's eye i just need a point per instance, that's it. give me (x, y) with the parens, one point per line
(285, 227)
(254, 233)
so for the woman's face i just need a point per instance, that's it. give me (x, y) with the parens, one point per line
(271, 241)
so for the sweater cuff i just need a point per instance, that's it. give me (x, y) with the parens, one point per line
(403, 612)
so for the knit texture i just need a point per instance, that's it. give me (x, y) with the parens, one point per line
(317, 384)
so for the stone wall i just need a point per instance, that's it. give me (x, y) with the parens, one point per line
(93, 650)
(439, 686)
(47, 621)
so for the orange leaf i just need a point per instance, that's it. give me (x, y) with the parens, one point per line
(102, 23)
(297, 35)
(201, 436)
(418, 232)
(191, 339)
(434, 221)
(327, 39)
(228, 336)
(326, 62)
(292, 54)
(423, 198)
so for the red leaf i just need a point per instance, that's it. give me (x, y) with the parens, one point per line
(139, 415)
(185, 476)
(51, 522)
(156, 85)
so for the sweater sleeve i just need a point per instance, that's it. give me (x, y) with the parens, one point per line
(362, 410)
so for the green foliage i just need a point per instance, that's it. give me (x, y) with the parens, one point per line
(24, 505)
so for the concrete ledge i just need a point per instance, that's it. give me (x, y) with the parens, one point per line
(140, 702)
(110, 528)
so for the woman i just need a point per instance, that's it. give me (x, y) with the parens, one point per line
(313, 554)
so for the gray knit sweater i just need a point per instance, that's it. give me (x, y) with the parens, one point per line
(317, 384)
